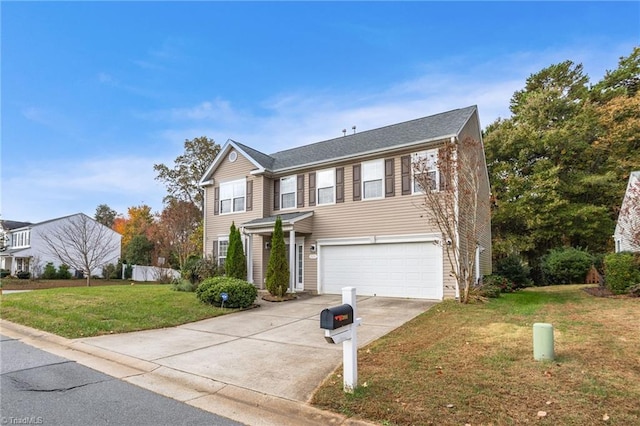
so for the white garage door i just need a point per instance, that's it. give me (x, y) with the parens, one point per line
(393, 270)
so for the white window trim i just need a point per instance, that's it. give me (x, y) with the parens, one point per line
(295, 192)
(381, 179)
(222, 239)
(318, 188)
(233, 182)
(414, 158)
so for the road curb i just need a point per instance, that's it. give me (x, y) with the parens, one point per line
(236, 403)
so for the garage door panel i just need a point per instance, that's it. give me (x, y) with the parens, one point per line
(394, 270)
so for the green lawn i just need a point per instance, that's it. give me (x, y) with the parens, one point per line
(92, 311)
(473, 364)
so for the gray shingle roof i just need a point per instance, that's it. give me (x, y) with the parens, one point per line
(286, 217)
(12, 224)
(433, 127)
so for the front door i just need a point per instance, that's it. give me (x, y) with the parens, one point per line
(298, 267)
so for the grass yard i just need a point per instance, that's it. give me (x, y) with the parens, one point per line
(92, 311)
(457, 365)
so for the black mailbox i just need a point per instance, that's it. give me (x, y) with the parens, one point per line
(336, 317)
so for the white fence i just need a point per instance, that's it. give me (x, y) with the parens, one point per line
(153, 273)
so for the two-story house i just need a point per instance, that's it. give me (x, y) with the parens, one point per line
(24, 247)
(349, 208)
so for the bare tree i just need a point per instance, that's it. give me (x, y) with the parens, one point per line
(82, 243)
(456, 201)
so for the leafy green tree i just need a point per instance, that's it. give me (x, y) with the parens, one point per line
(105, 215)
(236, 261)
(553, 184)
(138, 251)
(278, 266)
(182, 180)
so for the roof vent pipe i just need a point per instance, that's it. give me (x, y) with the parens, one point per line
(354, 129)
(344, 132)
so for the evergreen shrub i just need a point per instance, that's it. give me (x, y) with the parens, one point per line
(566, 265)
(620, 272)
(513, 268)
(240, 293)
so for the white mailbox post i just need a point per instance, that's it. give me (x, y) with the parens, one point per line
(340, 324)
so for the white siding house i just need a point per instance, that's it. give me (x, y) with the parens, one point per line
(23, 246)
(628, 223)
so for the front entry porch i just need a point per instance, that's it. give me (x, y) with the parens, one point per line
(294, 226)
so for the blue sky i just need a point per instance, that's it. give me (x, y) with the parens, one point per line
(95, 93)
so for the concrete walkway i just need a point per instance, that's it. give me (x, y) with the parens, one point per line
(258, 367)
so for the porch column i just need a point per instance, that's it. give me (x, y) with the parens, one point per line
(292, 261)
(249, 256)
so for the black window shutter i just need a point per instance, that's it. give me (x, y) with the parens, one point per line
(300, 189)
(312, 188)
(406, 174)
(340, 185)
(276, 194)
(214, 251)
(216, 200)
(389, 178)
(357, 184)
(249, 195)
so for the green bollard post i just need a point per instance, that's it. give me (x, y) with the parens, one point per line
(543, 341)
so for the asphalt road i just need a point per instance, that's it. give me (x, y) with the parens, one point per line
(39, 388)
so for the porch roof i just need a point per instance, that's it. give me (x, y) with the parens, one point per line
(298, 221)
(17, 252)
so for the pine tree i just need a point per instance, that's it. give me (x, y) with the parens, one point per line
(278, 267)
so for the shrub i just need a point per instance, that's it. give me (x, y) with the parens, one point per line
(278, 267)
(207, 268)
(567, 265)
(503, 284)
(49, 272)
(241, 294)
(128, 271)
(620, 272)
(23, 275)
(513, 268)
(183, 285)
(108, 271)
(4, 273)
(63, 272)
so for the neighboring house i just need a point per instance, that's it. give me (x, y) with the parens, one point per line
(25, 250)
(349, 208)
(627, 232)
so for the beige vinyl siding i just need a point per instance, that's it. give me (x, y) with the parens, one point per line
(397, 215)
(217, 225)
(472, 129)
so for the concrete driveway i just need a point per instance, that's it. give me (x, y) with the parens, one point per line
(277, 349)
(258, 367)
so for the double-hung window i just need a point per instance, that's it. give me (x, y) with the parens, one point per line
(326, 184)
(372, 179)
(232, 196)
(223, 246)
(288, 192)
(425, 170)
